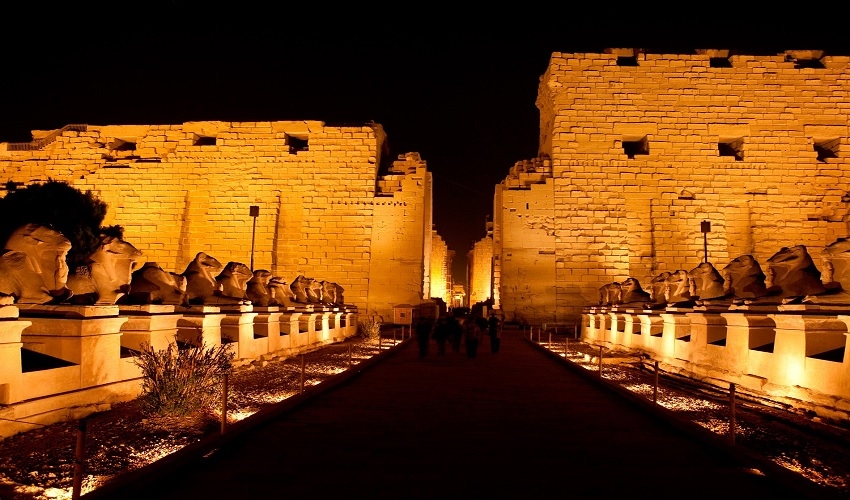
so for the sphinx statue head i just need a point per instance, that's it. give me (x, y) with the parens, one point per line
(151, 284)
(314, 291)
(107, 275)
(328, 292)
(33, 268)
(836, 263)
(300, 287)
(794, 274)
(678, 291)
(706, 282)
(633, 293)
(610, 294)
(258, 288)
(658, 291)
(200, 278)
(744, 278)
(233, 281)
(280, 291)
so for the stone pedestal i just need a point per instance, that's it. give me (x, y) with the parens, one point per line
(200, 325)
(238, 326)
(802, 341)
(651, 326)
(677, 327)
(10, 353)
(267, 324)
(151, 324)
(87, 336)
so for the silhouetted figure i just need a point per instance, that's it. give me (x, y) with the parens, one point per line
(423, 335)
(494, 329)
(441, 335)
(455, 332)
(472, 333)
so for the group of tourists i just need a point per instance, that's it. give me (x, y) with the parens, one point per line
(450, 330)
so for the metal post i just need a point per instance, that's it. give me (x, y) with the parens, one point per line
(349, 355)
(79, 460)
(600, 361)
(224, 404)
(655, 385)
(732, 413)
(566, 345)
(550, 339)
(705, 227)
(302, 374)
(254, 211)
(538, 334)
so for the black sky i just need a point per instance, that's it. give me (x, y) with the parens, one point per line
(462, 94)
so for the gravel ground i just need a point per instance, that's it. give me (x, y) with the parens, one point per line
(39, 464)
(816, 449)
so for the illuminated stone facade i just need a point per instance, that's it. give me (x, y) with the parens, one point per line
(440, 265)
(324, 211)
(644, 147)
(480, 269)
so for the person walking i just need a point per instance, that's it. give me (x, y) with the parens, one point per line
(441, 335)
(471, 333)
(455, 333)
(423, 334)
(494, 330)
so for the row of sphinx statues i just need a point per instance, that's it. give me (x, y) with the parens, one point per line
(791, 277)
(33, 270)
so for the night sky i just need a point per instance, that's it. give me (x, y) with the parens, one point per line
(461, 94)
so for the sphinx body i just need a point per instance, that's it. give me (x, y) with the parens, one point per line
(794, 275)
(200, 278)
(610, 294)
(707, 284)
(678, 291)
(314, 291)
(300, 288)
(328, 292)
(151, 284)
(281, 292)
(658, 291)
(232, 284)
(836, 275)
(107, 275)
(33, 269)
(744, 279)
(258, 288)
(632, 293)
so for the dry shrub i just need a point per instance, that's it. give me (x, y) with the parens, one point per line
(182, 380)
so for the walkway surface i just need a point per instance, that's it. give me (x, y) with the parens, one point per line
(515, 424)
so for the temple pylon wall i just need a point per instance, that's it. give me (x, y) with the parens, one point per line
(644, 147)
(181, 189)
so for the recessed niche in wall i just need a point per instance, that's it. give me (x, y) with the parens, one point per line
(633, 148)
(627, 61)
(204, 140)
(827, 148)
(810, 62)
(296, 143)
(719, 62)
(122, 145)
(731, 147)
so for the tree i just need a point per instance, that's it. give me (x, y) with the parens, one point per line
(56, 204)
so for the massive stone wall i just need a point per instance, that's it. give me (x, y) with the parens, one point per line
(644, 147)
(182, 189)
(524, 242)
(440, 286)
(480, 269)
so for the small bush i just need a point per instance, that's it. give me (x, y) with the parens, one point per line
(370, 328)
(178, 382)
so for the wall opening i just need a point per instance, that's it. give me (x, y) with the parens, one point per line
(205, 140)
(637, 147)
(296, 143)
(733, 147)
(826, 149)
(719, 62)
(627, 61)
(122, 145)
